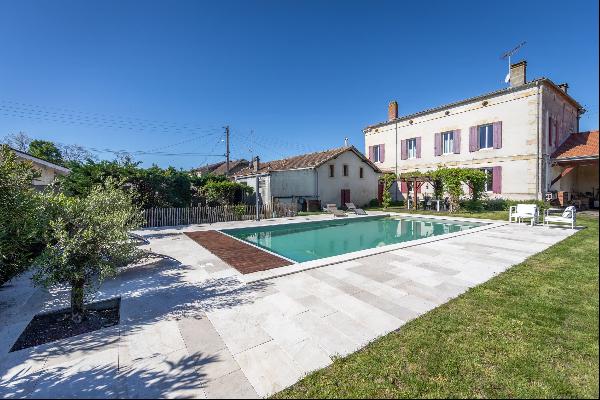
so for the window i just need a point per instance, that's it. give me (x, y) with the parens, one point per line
(489, 182)
(345, 170)
(486, 136)
(411, 144)
(331, 171)
(361, 173)
(448, 142)
(376, 153)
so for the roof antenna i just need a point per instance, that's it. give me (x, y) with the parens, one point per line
(509, 54)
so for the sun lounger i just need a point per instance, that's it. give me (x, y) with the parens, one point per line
(358, 211)
(332, 208)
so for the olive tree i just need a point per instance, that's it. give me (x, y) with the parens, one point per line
(87, 240)
(21, 216)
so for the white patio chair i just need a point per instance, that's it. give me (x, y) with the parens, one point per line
(569, 216)
(523, 211)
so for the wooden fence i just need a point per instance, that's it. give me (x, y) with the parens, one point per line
(172, 216)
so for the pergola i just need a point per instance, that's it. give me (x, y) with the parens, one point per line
(417, 179)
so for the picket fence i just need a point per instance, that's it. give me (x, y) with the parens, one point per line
(172, 216)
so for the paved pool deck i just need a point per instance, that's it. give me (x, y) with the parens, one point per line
(192, 327)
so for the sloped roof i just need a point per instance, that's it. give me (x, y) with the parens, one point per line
(578, 145)
(220, 168)
(310, 160)
(37, 160)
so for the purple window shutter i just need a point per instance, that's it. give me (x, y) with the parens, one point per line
(418, 142)
(437, 144)
(371, 153)
(403, 150)
(456, 148)
(473, 143)
(381, 152)
(497, 134)
(497, 179)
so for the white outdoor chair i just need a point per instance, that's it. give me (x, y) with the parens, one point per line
(569, 216)
(358, 211)
(523, 211)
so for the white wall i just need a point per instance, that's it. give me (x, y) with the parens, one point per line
(518, 157)
(362, 190)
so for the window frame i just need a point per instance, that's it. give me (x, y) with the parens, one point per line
(361, 172)
(377, 153)
(345, 170)
(451, 141)
(489, 182)
(331, 170)
(489, 136)
(409, 150)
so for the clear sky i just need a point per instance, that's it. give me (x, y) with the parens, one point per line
(167, 76)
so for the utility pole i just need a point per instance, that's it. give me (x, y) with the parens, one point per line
(227, 148)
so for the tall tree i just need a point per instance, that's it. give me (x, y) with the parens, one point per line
(46, 150)
(87, 240)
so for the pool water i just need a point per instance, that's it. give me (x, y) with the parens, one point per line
(319, 239)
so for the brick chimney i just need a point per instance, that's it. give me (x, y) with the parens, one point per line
(256, 164)
(392, 110)
(564, 87)
(518, 74)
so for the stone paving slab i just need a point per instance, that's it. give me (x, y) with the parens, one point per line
(190, 326)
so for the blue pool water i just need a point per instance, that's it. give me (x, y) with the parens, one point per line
(319, 239)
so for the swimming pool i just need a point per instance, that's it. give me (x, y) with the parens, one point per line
(308, 241)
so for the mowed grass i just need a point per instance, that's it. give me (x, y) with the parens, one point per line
(529, 332)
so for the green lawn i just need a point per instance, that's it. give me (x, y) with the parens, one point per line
(529, 332)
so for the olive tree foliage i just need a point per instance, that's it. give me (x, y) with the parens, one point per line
(87, 240)
(388, 180)
(21, 216)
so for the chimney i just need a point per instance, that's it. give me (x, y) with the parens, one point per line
(256, 164)
(518, 73)
(345, 142)
(392, 110)
(564, 87)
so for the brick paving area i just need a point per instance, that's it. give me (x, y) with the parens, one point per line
(241, 256)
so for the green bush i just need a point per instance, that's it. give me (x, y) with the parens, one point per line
(498, 204)
(374, 203)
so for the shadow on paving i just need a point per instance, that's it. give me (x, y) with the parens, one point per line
(160, 289)
(176, 377)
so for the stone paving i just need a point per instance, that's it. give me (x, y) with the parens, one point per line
(190, 327)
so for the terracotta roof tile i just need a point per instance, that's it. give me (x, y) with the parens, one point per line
(577, 145)
(310, 160)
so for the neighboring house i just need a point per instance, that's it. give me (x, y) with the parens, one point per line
(575, 170)
(49, 171)
(510, 134)
(220, 168)
(334, 176)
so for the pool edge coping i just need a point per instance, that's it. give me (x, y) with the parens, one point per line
(308, 265)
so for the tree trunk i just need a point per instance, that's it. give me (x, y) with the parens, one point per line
(77, 306)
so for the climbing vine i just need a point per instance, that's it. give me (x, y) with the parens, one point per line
(388, 180)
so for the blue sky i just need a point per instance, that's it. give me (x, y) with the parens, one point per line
(167, 76)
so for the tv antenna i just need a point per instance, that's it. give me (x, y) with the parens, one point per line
(508, 55)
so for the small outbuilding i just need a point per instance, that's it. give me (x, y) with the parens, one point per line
(335, 176)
